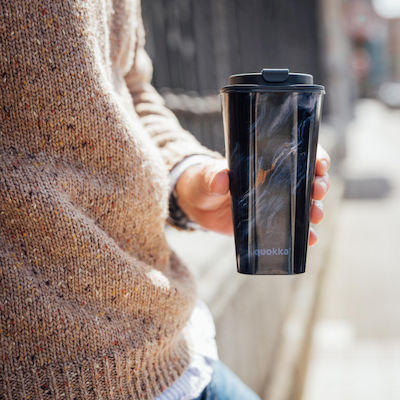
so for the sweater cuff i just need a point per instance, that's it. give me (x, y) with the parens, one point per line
(182, 166)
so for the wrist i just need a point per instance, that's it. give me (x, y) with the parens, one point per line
(179, 178)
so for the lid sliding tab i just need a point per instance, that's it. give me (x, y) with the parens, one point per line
(275, 75)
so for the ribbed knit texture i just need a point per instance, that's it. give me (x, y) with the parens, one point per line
(93, 301)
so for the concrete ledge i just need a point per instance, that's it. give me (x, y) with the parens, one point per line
(263, 322)
(248, 310)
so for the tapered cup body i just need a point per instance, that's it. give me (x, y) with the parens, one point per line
(271, 138)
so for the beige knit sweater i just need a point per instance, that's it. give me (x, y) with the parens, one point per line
(93, 301)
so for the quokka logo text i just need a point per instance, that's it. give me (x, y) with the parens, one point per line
(271, 252)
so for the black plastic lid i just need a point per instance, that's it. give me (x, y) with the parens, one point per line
(275, 78)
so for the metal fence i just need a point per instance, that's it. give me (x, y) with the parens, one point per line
(196, 44)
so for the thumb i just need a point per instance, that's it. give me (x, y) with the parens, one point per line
(216, 178)
(203, 186)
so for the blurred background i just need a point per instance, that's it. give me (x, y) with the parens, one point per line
(334, 332)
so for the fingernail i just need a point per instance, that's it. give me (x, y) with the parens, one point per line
(324, 164)
(324, 186)
(220, 172)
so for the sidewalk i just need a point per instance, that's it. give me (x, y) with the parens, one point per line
(356, 342)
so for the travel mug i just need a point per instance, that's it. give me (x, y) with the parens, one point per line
(271, 123)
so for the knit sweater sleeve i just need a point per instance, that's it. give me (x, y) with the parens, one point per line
(93, 301)
(174, 142)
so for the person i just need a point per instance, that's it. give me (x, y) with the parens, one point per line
(94, 304)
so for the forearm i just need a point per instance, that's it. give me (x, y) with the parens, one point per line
(174, 142)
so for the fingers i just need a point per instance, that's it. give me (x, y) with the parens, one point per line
(323, 161)
(317, 212)
(321, 186)
(313, 238)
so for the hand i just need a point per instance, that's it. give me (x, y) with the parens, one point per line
(203, 194)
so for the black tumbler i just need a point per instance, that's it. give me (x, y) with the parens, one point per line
(271, 123)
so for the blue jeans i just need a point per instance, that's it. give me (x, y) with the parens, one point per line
(225, 385)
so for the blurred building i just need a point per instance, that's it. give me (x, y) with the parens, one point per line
(394, 48)
(368, 33)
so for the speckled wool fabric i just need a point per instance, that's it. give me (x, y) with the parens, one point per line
(93, 301)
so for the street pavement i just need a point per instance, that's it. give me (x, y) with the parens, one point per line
(355, 351)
